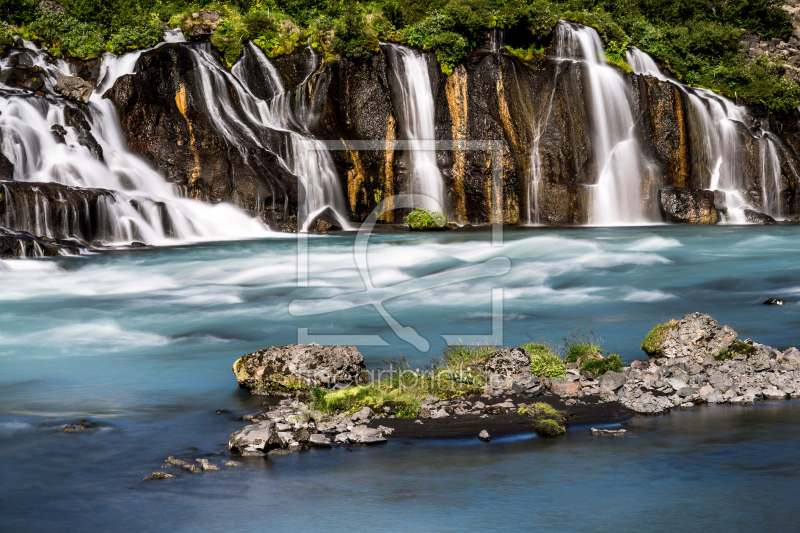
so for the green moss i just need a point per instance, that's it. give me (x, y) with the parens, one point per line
(654, 341)
(542, 410)
(724, 355)
(229, 38)
(532, 53)
(424, 219)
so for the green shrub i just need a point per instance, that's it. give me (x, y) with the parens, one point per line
(654, 341)
(132, 38)
(724, 355)
(598, 367)
(62, 33)
(17, 12)
(542, 410)
(352, 37)
(544, 361)
(229, 38)
(425, 219)
(529, 54)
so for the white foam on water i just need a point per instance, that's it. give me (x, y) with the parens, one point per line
(648, 296)
(654, 244)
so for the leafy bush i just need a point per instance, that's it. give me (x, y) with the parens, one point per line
(654, 341)
(229, 38)
(425, 219)
(544, 361)
(132, 38)
(352, 38)
(62, 33)
(598, 367)
(17, 11)
(548, 428)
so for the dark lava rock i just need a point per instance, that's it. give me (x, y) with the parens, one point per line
(298, 366)
(688, 206)
(31, 79)
(774, 301)
(325, 222)
(754, 217)
(77, 119)
(504, 367)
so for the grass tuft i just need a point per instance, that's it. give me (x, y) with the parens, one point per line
(545, 362)
(579, 348)
(598, 367)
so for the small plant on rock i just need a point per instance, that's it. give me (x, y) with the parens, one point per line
(598, 367)
(547, 427)
(580, 348)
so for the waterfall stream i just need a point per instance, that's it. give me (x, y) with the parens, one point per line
(617, 193)
(416, 117)
(720, 124)
(52, 140)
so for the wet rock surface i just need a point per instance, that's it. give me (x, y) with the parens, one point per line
(688, 206)
(298, 366)
(74, 88)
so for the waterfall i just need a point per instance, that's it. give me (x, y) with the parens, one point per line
(290, 112)
(617, 193)
(416, 117)
(719, 124)
(52, 140)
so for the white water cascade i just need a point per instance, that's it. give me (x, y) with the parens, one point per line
(720, 124)
(417, 121)
(617, 193)
(143, 207)
(305, 156)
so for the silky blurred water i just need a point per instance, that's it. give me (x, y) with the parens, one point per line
(142, 341)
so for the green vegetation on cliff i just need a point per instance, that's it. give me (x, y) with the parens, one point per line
(698, 41)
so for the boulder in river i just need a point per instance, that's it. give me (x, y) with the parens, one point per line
(693, 335)
(688, 206)
(774, 301)
(299, 366)
(253, 439)
(755, 217)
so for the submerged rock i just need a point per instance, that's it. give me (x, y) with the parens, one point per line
(774, 301)
(755, 217)
(484, 436)
(608, 432)
(325, 222)
(298, 366)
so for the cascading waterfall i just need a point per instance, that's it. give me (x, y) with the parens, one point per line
(617, 194)
(720, 124)
(140, 205)
(417, 121)
(304, 155)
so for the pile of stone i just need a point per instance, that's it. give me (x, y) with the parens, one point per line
(698, 362)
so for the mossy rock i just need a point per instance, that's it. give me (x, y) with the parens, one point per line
(653, 342)
(421, 219)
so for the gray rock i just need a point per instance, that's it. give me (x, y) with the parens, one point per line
(441, 413)
(504, 367)
(611, 381)
(205, 465)
(527, 386)
(697, 334)
(705, 392)
(201, 25)
(686, 392)
(484, 436)
(688, 206)
(319, 440)
(676, 383)
(253, 439)
(294, 366)
(364, 414)
(774, 394)
(232, 463)
(157, 475)
(74, 88)
(365, 435)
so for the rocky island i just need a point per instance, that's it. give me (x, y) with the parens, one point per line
(322, 397)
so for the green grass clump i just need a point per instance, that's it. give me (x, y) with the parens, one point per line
(544, 361)
(654, 341)
(598, 367)
(425, 219)
(580, 348)
(464, 356)
(724, 355)
(542, 410)
(742, 348)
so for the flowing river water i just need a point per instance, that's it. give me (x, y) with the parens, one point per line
(141, 341)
